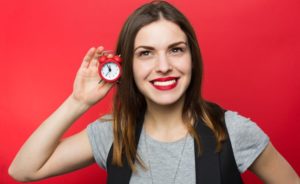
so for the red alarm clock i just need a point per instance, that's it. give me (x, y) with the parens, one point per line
(110, 68)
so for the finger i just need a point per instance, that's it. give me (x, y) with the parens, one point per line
(107, 52)
(95, 63)
(87, 58)
(99, 50)
(110, 56)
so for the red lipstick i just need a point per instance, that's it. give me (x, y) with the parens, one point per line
(166, 83)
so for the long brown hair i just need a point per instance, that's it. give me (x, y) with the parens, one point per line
(129, 103)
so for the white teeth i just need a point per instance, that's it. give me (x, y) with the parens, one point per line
(164, 83)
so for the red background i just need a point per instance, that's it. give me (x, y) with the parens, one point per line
(250, 50)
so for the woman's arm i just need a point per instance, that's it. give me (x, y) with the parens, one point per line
(44, 154)
(272, 168)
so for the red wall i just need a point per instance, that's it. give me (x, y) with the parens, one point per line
(251, 51)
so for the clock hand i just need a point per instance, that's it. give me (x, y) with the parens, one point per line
(109, 70)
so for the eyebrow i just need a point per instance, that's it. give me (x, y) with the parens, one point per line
(152, 48)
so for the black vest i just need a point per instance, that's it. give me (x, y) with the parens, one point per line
(211, 167)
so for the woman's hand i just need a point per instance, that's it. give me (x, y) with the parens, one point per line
(87, 89)
(44, 154)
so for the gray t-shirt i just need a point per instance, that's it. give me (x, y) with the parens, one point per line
(171, 161)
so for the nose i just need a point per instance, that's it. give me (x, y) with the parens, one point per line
(163, 64)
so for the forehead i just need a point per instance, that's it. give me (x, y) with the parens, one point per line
(158, 34)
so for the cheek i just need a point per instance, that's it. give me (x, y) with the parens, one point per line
(184, 65)
(188, 65)
(141, 70)
(136, 71)
(138, 74)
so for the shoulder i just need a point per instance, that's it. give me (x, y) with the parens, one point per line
(248, 140)
(102, 124)
(239, 125)
(100, 135)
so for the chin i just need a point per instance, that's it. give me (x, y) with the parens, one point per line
(166, 101)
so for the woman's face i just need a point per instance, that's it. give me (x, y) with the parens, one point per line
(162, 62)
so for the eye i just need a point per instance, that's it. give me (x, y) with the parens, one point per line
(144, 53)
(176, 50)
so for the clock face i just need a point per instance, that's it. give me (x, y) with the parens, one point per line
(110, 71)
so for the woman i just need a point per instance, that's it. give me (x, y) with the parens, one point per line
(161, 129)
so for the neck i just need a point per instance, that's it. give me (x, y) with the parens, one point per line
(165, 122)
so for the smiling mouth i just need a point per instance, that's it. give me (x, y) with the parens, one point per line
(165, 83)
